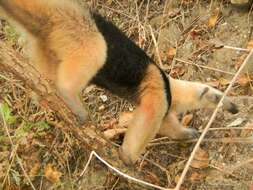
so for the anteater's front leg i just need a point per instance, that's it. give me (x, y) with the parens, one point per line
(147, 117)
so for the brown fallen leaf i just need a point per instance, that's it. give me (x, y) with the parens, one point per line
(187, 119)
(187, 2)
(243, 80)
(240, 61)
(13, 187)
(219, 83)
(201, 159)
(171, 52)
(224, 82)
(177, 178)
(163, 56)
(52, 174)
(196, 176)
(212, 21)
(178, 70)
(109, 2)
(35, 170)
(247, 132)
(152, 178)
(250, 44)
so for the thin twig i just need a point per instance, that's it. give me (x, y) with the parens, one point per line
(228, 128)
(93, 153)
(236, 48)
(204, 67)
(248, 140)
(156, 48)
(187, 166)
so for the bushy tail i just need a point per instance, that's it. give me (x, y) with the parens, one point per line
(31, 14)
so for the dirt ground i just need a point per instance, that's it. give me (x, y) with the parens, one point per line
(194, 40)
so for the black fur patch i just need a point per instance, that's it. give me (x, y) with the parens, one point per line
(167, 88)
(126, 63)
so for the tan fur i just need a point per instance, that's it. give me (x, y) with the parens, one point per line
(68, 59)
(147, 116)
(188, 95)
(172, 128)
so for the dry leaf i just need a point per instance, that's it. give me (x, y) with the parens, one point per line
(247, 132)
(250, 44)
(243, 80)
(171, 53)
(187, 119)
(214, 18)
(201, 159)
(52, 174)
(151, 177)
(219, 83)
(223, 82)
(196, 176)
(35, 170)
(177, 178)
(240, 61)
(178, 70)
(109, 2)
(163, 56)
(187, 2)
(125, 118)
(13, 187)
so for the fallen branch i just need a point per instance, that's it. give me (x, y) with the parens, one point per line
(228, 140)
(89, 137)
(94, 154)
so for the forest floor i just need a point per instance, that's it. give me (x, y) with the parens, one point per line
(193, 40)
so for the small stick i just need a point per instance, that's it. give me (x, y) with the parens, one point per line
(229, 128)
(156, 48)
(236, 48)
(187, 166)
(248, 140)
(93, 153)
(204, 67)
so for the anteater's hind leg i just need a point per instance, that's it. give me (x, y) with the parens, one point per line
(147, 117)
(77, 69)
(171, 127)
